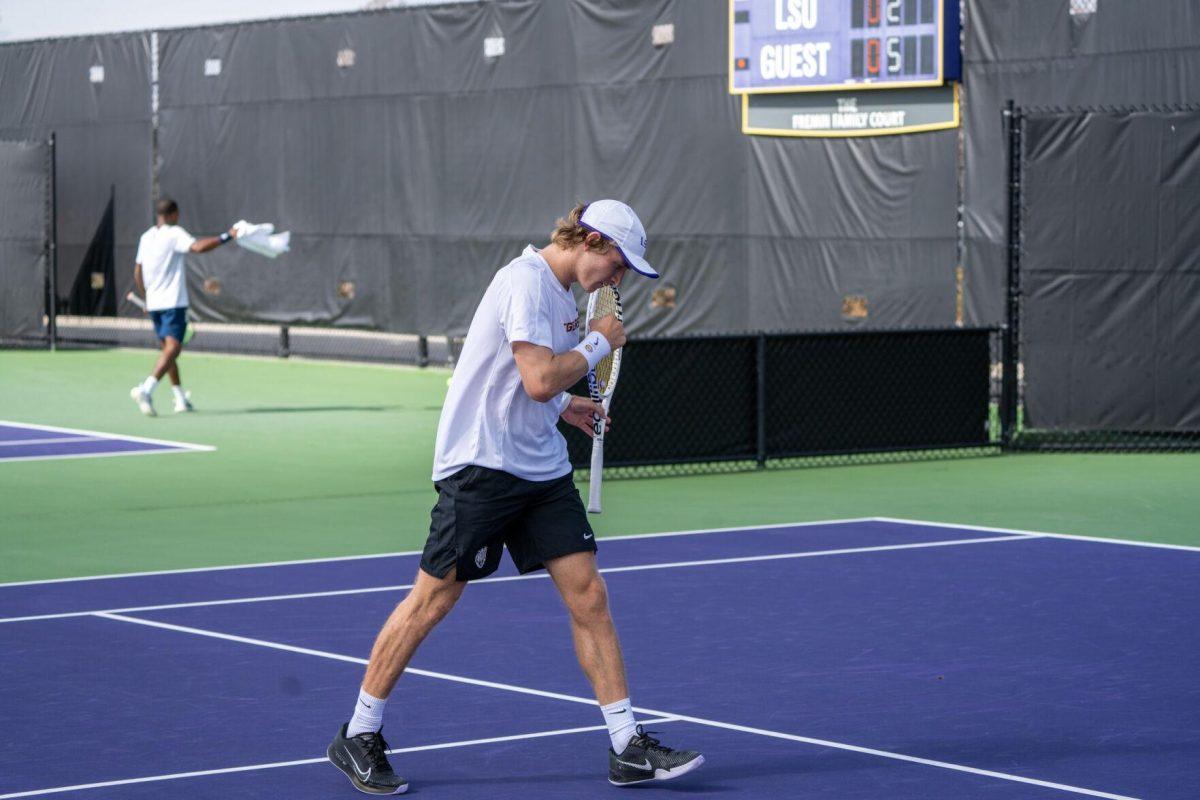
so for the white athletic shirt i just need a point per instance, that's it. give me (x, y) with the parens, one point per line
(160, 252)
(488, 419)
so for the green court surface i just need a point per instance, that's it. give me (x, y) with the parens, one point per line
(315, 459)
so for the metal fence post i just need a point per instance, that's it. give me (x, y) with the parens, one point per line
(760, 370)
(285, 348)
(52, 245)
(1009, 394)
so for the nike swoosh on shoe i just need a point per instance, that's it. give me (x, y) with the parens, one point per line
(366, 776)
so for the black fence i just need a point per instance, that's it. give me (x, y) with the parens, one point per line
(1102, 346)
(762, 400)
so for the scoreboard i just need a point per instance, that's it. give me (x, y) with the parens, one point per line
(823, 45)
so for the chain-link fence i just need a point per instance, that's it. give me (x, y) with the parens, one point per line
(717, 404)
(692, 405)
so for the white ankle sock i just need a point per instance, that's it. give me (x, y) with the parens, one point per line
(368, 714)
(149, 384)
(178, 392)
(621, 723)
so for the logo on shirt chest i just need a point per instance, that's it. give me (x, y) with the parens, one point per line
(572, 325)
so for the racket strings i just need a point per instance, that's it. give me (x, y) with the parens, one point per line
(608, 302)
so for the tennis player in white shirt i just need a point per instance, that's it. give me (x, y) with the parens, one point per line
(161, 279)
(504, 481)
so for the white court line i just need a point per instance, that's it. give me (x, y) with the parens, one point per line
(1073, 537)
(115, 454)
(208, 569)
(901, 757)
(737, 528)
(109, 435)
(529, 577)
(306, 761)
(587, 701)
(810, 553)
(53, 440)
(418, 552)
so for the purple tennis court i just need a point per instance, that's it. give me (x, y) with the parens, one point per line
(850, 659)
(21, 441)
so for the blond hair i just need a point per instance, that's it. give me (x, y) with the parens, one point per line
(568, 231)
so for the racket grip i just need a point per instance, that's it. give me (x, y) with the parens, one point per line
(595, 476)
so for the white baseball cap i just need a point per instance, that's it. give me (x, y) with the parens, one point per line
(615, 220)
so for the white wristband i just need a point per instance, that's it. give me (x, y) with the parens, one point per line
(593, 348)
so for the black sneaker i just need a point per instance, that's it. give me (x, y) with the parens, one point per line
(644, 759)
(364, 760)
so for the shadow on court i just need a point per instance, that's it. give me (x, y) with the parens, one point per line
(298, 410)
(690, 785)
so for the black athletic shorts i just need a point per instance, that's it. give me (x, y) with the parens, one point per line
(481, 511)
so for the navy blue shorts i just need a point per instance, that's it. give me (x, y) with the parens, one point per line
(170, 322)
(482, 511)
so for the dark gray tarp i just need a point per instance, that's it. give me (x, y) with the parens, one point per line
(24, 214)
(94, 292)
(103, 132)
(424, 167)
(419, 166)
(1126, 54)
(1110, 271)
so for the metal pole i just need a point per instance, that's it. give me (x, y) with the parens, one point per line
(760, 361)
(154, 106)
(1009, 394)
(422, 351)
(960, 243)
(52, 294)
(285, 345)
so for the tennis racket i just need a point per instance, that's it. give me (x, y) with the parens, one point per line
(188, 333)
(602, 381)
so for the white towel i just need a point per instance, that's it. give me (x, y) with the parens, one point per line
(262, 239)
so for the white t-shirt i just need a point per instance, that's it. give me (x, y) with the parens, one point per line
(160, 252)
(488, 419)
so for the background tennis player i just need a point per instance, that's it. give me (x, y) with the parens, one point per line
(161, 278)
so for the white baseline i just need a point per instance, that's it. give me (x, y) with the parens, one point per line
(529, 577)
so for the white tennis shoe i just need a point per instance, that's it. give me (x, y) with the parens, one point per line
(143, 401)
(184, 404)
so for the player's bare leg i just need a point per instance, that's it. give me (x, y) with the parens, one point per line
(359, 749)
(171, 348)
(183, 399)
(168, 364)
(429, 601)
(596, 644)
(635, 757)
